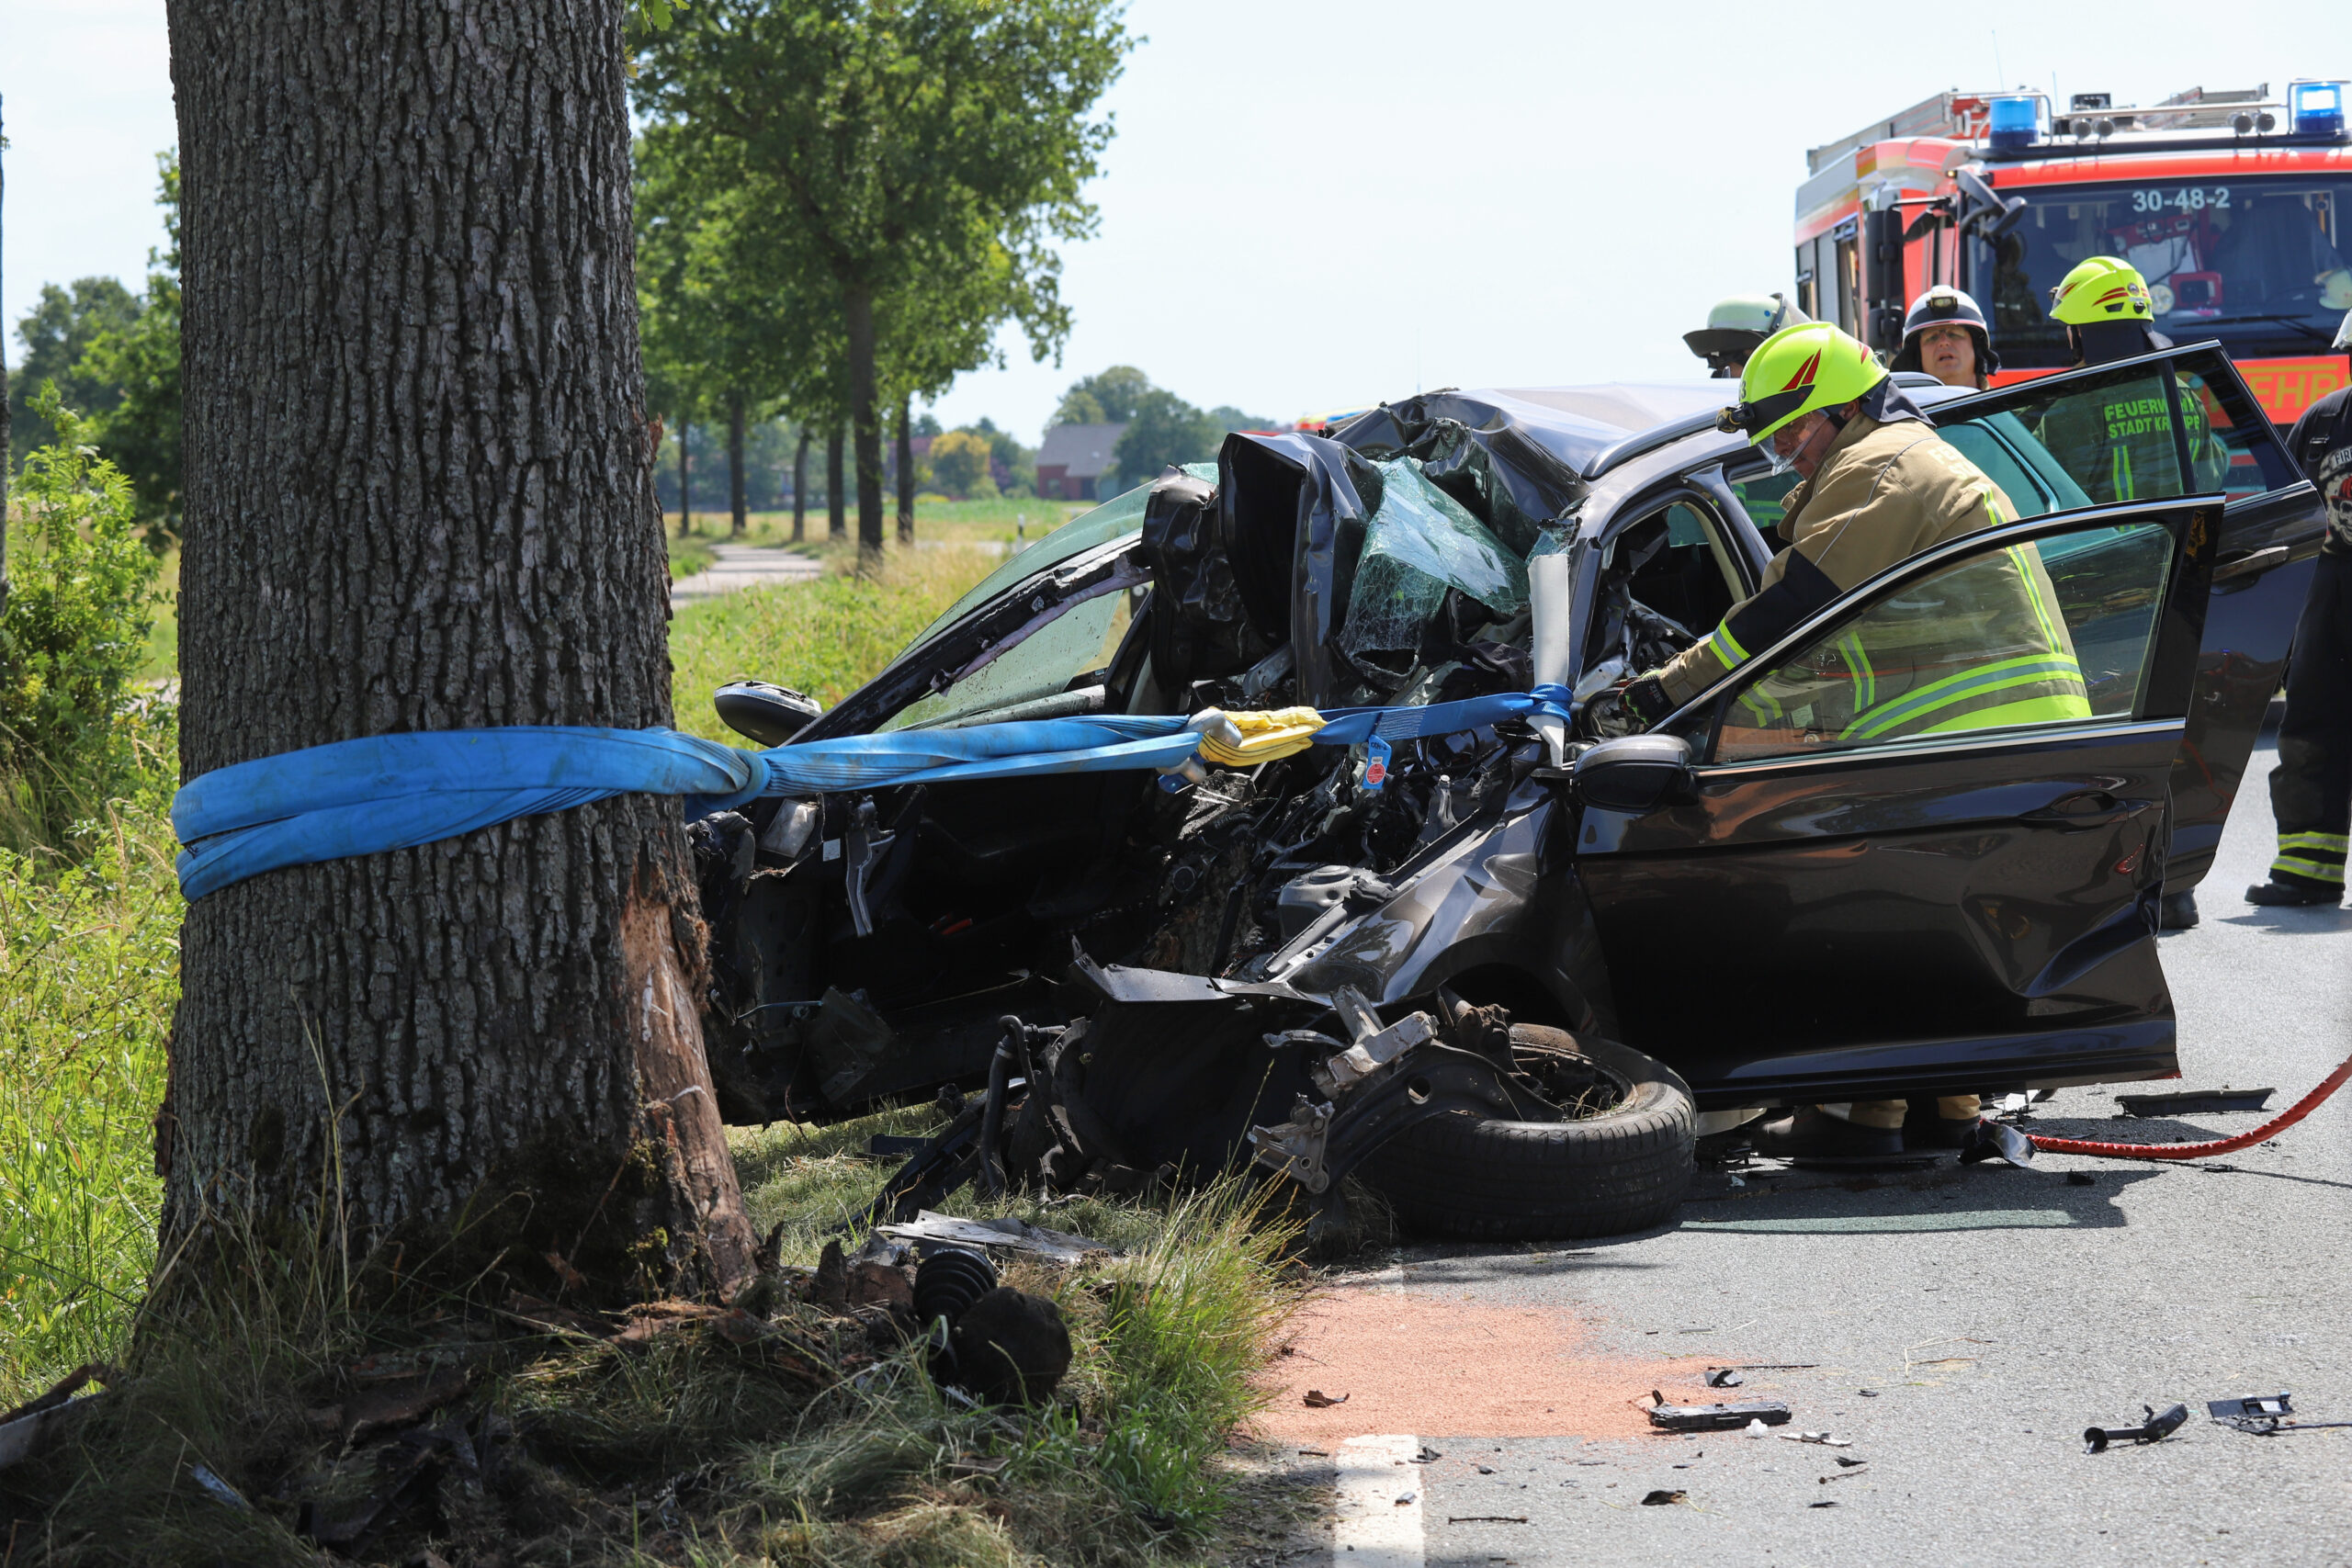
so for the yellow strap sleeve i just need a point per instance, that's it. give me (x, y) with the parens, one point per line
(1264, 737)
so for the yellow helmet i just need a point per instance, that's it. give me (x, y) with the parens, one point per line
(1797, 370)
(2104, 289)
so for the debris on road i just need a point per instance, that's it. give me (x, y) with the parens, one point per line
(1822, 1438)
(1058, 1246)
(1724, 1377)
(2154, 1429)
(2263, 1415)
(1661, 1499)
(1714, 1418)
(41, 1422)
(2192, 1101)
(1522, 1518)
(1315, 1399)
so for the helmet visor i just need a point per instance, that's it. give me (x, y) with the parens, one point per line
(1759, 418)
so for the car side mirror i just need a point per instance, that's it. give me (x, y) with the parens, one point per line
(765, 711)
(1633, 772)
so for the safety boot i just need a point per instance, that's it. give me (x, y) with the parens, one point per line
(2293, 892)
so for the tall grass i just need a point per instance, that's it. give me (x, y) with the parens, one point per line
(826, 637)
(89, 974)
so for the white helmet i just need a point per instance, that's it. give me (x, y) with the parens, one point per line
(1737, 327)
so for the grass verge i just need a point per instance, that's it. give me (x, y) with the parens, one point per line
(245, 1423)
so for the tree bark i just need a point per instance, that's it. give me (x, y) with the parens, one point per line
(866, 423)
(800, 488)
(686, 479)
(836, 482)
(906, 455)
(737, 505)
(419, 498)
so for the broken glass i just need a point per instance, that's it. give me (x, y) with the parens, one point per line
(1418, 543)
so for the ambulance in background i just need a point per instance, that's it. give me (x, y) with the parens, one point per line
(2236, 206)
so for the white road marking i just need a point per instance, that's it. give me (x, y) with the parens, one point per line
(1378, 1522)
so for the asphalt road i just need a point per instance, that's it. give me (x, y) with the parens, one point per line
(1994, 1313)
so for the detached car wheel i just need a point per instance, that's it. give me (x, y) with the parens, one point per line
(1480, 1178)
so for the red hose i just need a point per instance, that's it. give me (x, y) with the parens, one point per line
(2288, 1118)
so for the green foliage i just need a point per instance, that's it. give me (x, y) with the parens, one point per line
(959, 465)
(57, 333)
(1108, 397)
(75, 628)
(89, 975)
(911, 162)
(1164, 430)
(140, 360)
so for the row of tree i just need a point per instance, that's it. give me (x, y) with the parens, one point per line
(840, 204)
(115, 358)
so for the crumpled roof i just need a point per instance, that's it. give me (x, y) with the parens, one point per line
(1575, 424)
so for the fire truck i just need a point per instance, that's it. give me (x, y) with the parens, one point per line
(2236, 206)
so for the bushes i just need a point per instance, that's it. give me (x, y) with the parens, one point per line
(74, 630)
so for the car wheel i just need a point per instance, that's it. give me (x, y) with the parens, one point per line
(1474, 1177)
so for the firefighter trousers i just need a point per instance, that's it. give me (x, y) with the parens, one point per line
(2311, 790)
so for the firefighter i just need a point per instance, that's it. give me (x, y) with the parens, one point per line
(1944, 335)
(2311, 789)
(1878, 485)
(1736, 326)
(2118, 442)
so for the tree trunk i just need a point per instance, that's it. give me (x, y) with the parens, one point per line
(686, 479)
(836, 481)
(738, 506)
(866, 424)
(419, 498)
(800, 488)
(906, 473)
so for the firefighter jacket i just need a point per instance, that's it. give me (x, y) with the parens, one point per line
(1980, 644)
(2117, 440)
(2321, 444)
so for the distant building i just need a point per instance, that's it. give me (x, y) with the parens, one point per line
(1071, 463)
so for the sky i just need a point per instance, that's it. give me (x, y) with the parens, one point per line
(1309, 206)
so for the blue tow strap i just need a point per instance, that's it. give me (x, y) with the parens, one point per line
(391, 792)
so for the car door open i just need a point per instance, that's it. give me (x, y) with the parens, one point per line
(1922, 840)
(2163, 425)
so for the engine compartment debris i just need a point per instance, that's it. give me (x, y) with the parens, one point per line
(1716, 1417)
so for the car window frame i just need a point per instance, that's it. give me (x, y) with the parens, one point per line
(2207, 359)
(2164, 684)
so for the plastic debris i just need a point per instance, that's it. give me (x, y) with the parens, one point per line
(2154, 1429)
(1660, 1498)
(1716, 1417)
(2193, 1099)
(1315, 1399)
(1822, 1438)
(1060, 1246)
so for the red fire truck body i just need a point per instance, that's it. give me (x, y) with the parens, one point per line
(2236, 208)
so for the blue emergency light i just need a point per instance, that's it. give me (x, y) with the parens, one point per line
(2014, 122)
(2316, 109)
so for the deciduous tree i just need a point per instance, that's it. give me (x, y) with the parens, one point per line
(419, 498)
(910, 140)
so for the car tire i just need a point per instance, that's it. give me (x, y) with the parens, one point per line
(1470, 1178)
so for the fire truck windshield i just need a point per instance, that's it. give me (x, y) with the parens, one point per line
(2259, 263)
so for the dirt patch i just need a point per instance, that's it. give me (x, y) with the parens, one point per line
(1438, 1367)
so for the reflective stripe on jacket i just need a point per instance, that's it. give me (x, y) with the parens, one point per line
(1883, 492)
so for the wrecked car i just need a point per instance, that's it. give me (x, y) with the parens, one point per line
(1506, 974)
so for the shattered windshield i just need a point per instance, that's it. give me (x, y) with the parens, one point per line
(1420, 544)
